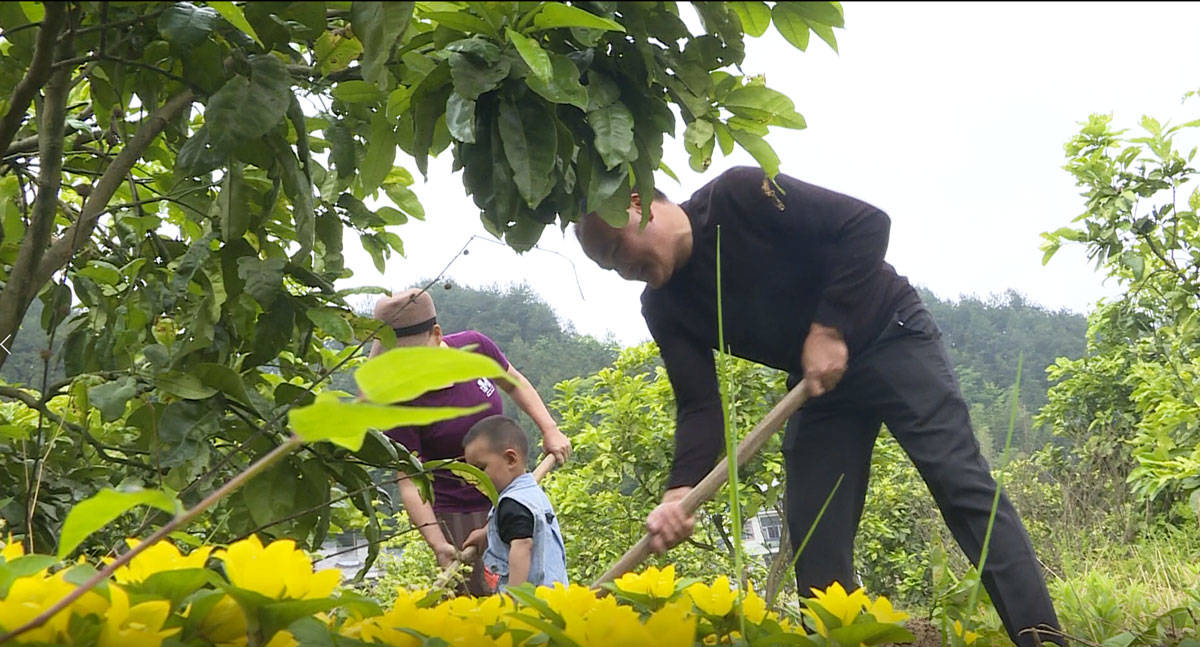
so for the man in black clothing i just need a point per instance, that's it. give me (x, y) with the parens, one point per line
(805, 289)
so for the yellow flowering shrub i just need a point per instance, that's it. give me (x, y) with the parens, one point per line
(250, 594)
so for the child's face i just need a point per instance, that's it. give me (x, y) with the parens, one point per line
(500, 466)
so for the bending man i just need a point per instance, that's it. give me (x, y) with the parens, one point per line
(805, 289)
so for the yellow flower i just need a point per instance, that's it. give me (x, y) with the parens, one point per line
(651, 582)
(716, 600)
(12, 549)
(139, 625)
(278, 571)
(754, 608)
(673, 625)
(573, 599)
(283, 639)
(845, 607)
(882, 610)
(162, 556)
(485, 611)
(969, 637)
(608, 624)
(28, 597)
(225, 624)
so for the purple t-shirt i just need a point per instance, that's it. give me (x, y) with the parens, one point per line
(444, 439)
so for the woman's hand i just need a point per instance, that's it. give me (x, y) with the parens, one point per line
(445, 553)
(556, 442)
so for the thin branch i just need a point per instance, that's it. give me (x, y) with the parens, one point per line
(120, 23)
(93, 58)
(39, 405)
(96, 204)
(38, 73)
(179, 521)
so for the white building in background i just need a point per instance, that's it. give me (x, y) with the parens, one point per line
(762, 533)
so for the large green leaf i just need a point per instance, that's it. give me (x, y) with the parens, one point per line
(401, 374)
(332, 321)
(346, 423)
(791, 24)
(613, 126)
(23, 566)
(476, 66)
(234, 16)
(468, 473)
(530, 142)
(563, 85)
(460, 118)
(555, 14)
(244, 109)
(871, 633)
(532, 53)
(380, 26)
(380, 155)
(755, 17)
(183, 385)
(95, 512)
(110, 398)
(821, 13)
(233, 203)
(760, 149)
(185, 25)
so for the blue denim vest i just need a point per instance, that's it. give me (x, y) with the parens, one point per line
(548, 561)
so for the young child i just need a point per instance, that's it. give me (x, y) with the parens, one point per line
(522, 541)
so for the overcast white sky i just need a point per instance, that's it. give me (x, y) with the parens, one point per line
(950, 117)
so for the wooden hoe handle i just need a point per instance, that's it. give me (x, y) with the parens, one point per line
(467, 555)
(705, 489)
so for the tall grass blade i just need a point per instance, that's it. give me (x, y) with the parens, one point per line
(735, 501)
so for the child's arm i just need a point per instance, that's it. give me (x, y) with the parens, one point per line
(520, 553)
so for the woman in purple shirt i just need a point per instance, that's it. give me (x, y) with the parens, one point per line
(458, 507)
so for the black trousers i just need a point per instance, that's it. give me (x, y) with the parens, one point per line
(905, 379)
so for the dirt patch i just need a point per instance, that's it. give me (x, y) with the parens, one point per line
(925, 634)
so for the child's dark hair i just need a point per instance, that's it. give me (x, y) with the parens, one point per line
(501, 433)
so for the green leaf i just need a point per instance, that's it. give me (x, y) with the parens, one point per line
(110, 398)
(223, 379)
(245, 109)
(476, 66)
(759, 149)
(185, 25)
(826, 34)
(233, 14)
(233, 203)
(380, 155)
(101, 272)
(532, 53)
(871, 633)
(356, 91)
(613, 126)
(530, 146)
(332, 321)
(183, 385)
(554, 14)
(563, 86)
(820, 13)
(336, 51)
(460, 118)
(264, 278)
(791, 24)
(380, 26)
(462, 21)
(23, 566)
(755, 16)
(468, 473)
(176, 584)
(405, 199)
(276, 616)
(1135, 262)
(346, 423)
(97, 511)
(401, 374)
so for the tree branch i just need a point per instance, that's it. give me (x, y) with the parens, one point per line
(39, 405)
(38, 73)
(20, 288)
(80, 231)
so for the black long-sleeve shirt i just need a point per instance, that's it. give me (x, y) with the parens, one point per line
(790, 256)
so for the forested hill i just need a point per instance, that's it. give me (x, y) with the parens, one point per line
(983, 336)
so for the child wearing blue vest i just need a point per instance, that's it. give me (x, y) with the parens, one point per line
(522, 541)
